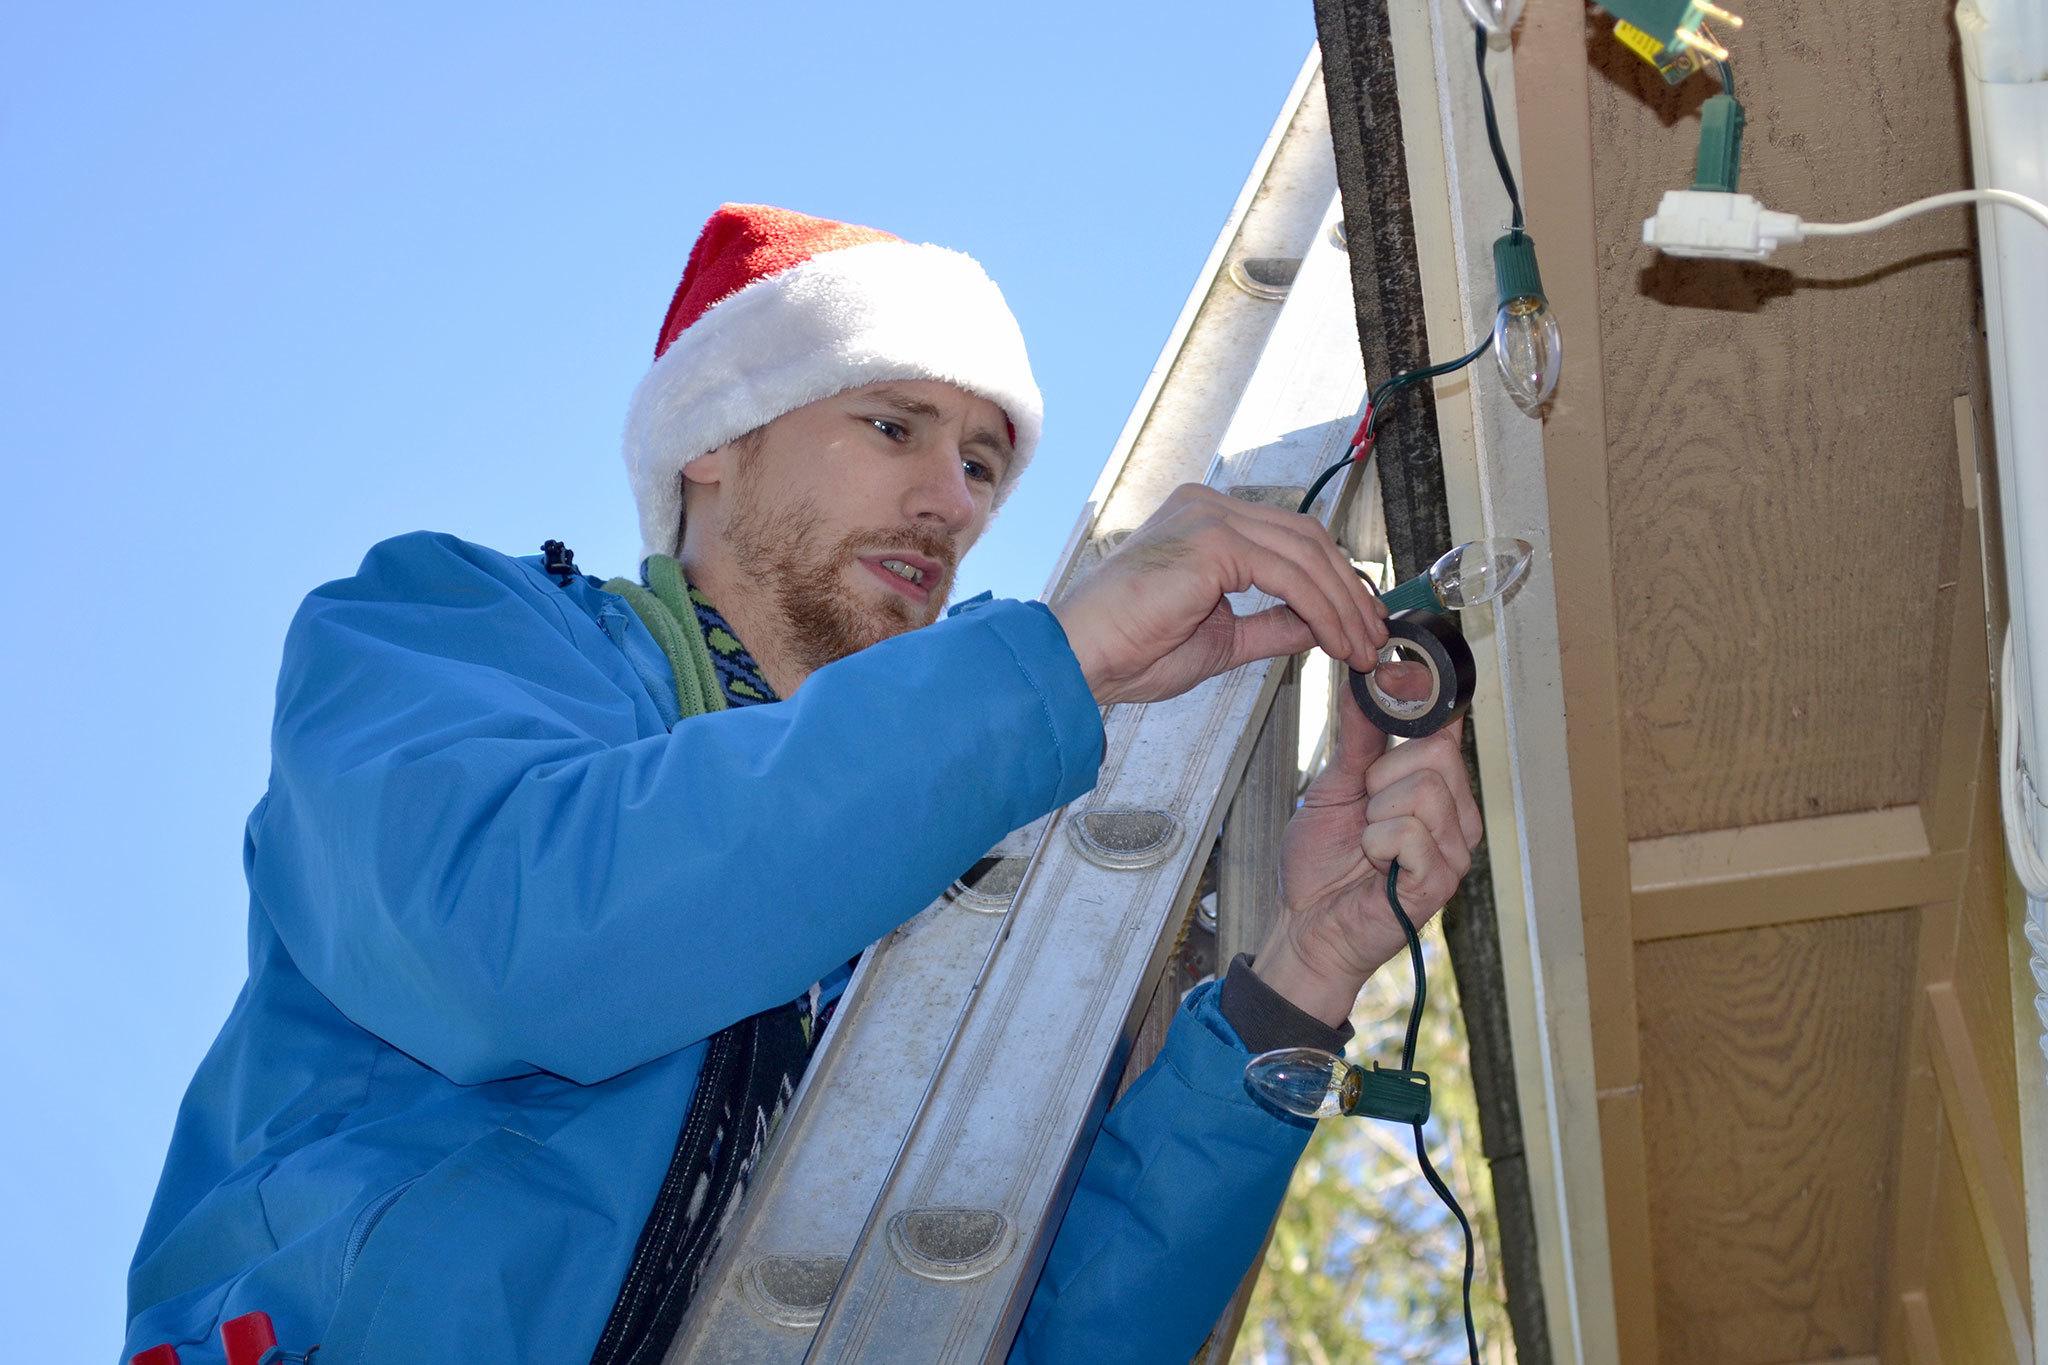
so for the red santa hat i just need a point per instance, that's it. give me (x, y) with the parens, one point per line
(778, 309)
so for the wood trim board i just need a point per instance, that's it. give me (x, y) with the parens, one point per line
(1994, 1191)
(1559, 203)
(1787, 872)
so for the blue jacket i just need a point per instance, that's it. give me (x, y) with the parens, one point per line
(499, 899)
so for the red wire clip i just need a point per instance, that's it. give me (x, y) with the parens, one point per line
(1361, 439)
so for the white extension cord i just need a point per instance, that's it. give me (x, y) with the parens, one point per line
(1717, 225)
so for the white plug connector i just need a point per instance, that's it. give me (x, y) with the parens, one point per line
(1718, 226)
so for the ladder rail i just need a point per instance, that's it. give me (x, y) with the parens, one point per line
(767, 1284)
(996, 1145)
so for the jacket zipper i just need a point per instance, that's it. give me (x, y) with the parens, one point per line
(366, 1222)
(660, 690)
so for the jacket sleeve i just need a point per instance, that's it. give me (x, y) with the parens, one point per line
(469, 847)
(1172, 1205)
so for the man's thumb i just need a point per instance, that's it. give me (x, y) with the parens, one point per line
(1359, 742)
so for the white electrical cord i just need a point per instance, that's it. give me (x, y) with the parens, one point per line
(2034, 208)
(1717, 224)
(2017, 791)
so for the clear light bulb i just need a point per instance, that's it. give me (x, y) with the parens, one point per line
(1526, 344)
(1479, 571)
(1305, 1081)
(1529, 350)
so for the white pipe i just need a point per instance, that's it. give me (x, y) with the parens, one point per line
(2005, 60)
(2005, 56)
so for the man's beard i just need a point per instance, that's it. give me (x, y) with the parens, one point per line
(821, 620)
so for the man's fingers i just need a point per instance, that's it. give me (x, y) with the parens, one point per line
(1426, 880)
(1273, 633)
(1283, 553)
(1301, 551)
(1358, 743)
(1405, 680)
(1440, 752)
(1351, 585)
(1470, 821)
(1271, 570)
(1426, 796)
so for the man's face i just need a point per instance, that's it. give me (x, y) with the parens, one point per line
(850, 515)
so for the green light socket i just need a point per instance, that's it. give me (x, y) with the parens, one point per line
(1720, 159)
(1417, 594)
(1384, 1093)
(1514, 267)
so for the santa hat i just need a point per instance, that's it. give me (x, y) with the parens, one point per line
(779, 309)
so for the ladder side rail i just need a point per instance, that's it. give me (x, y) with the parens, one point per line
(768, 1282)
(993, 1153)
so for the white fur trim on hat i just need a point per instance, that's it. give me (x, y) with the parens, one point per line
(858, 315)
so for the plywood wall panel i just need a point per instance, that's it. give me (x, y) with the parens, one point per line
(1781, 448)
(1772, 1068)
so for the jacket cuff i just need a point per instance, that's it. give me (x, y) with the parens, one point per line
(1266, 1019)
(1038, 643)
(1205, 1052)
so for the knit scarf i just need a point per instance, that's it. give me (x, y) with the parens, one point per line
(750, 1068)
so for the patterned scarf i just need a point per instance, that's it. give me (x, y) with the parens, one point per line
(750, 1068)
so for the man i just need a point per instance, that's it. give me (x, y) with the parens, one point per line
(555, 882)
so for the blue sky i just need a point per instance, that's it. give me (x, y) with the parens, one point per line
(278, 281)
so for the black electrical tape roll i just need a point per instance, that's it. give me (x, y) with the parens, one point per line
(1427, 686)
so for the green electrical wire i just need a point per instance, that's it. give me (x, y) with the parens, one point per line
(1402, 381)
(1436, 1182)
(1500, 156)
(1376, 404)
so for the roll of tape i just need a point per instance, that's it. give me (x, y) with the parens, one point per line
(1424, 679)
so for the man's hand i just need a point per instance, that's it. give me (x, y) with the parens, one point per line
(1152, 620)
(1368, 807)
